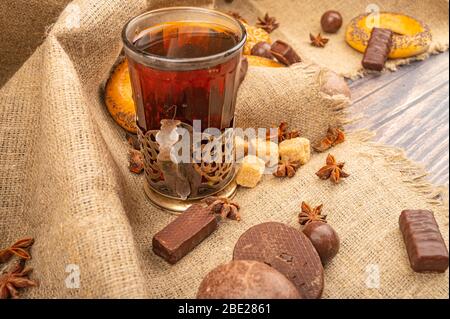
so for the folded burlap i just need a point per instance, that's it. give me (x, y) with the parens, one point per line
(64, 178)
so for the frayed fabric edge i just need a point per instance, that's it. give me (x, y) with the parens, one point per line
(413, 174)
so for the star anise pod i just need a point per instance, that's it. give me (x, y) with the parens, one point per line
(237, 16)
(268, 23)
(283, 133)
(308, 215)
(318, 40)
(136, 159)
(133, 141)
(334, 136)
(332, 170)
(287, 168)
(13, 278)
(18, 249)
(224, 207)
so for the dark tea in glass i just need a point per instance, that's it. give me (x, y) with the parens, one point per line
(205, 94)
(184, 65)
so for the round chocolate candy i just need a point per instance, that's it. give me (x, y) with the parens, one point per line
(286, 249)
(331, 21)
(324, 239)
(246, 279)
(262, 49)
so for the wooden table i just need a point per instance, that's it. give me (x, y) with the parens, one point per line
(409, 109)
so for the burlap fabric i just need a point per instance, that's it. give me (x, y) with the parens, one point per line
(24, 24)
(64, 178)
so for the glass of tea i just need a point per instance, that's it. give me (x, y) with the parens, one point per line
(184, 65)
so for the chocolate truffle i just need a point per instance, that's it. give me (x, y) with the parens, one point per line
(246, 279)
(324, 239)
(331, 21)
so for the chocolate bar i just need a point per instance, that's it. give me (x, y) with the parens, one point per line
(284, 53)
(181, 236)
(378, 49)
(423, 240)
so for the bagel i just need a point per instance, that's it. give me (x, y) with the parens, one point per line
(119, 97)
(411, 37)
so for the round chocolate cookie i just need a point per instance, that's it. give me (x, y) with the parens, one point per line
(287, 250)
(246, 279)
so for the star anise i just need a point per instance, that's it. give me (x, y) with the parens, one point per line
(18, 248)
(318, 40)
(13, 278)
(287, 168)
(334, 136)
(224, 207)
(237, 16)
(136, 159)
(133, 141)
(332, 170)
(308, 215)
(268, 23)
(283, 133)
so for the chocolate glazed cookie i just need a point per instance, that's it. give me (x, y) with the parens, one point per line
(287, 250)
(246, 279)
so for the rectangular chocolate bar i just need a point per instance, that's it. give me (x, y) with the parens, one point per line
(424, 243)
(378, 49)
(181, 236)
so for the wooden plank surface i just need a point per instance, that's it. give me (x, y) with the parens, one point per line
(409, 109)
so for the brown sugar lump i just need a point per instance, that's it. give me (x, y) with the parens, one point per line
(251, 171)
(265, 150)
(295, 149)
(241, 147)
(246, 279)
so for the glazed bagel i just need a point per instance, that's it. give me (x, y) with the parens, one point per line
(119, 97)
(411, 37)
